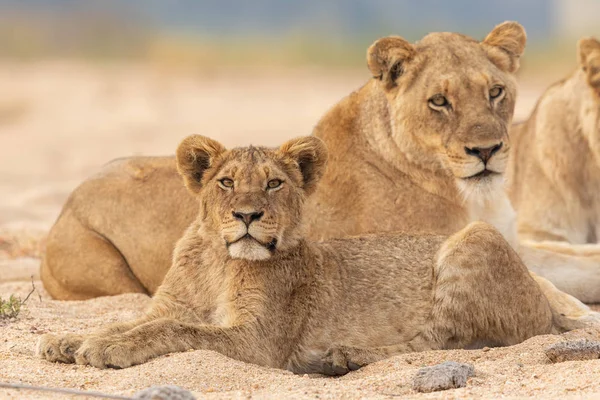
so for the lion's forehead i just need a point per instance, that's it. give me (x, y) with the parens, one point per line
(449, 48)
(469, 79)
(455, 58)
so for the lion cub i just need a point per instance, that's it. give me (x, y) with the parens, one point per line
(246, 283)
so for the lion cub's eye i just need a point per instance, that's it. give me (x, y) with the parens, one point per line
(496, 92)
(439, 101)
(226, 183)
(274, 183)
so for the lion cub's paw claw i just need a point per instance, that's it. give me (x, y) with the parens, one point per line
(58, 348)
(337, 361)
(352, 366)
(103, 353)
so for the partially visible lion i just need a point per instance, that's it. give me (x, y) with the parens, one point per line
(554, 173)
(420, 147)
(245, 281)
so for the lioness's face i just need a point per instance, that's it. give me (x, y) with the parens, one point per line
(252, 198)
(589, 61)
(451, 98)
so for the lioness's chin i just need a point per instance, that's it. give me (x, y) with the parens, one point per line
(481, 187)
(248, 249)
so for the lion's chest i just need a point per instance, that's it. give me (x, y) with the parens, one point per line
(496, 211)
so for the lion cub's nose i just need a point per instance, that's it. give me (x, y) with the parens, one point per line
(484, 154)
(248, 218)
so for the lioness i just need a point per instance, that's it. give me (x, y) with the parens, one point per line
(554, 172)
(246, 283)
(420, 147)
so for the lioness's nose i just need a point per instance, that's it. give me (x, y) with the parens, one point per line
(248, 218)
(484, 154)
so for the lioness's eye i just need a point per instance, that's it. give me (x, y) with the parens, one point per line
(495, 92)
(439, 101)
(274, 183)
(226, 182)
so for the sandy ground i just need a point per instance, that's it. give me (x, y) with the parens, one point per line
(60, 122)
(510, 372)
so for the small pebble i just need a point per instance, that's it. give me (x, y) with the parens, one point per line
(447, 375)
(574, 350)
(170, 392)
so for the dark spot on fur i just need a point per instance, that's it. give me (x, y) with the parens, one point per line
(272, 245)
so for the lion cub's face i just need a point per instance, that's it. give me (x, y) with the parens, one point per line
(251, 198)
(452, 98)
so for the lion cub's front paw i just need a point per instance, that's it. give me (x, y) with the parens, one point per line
(339, 360)
(106, 353)
(59, 348)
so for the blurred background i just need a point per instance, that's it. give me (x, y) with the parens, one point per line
(82, 82)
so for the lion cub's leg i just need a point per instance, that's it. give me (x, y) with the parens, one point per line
(484, 294)
(80, 264)
(62, 348)
(162, 336)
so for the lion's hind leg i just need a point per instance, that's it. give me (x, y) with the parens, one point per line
(483, 293)
(81, 264)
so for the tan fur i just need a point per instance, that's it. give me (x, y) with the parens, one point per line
(396, 164)
(554, 176)
(326, 307)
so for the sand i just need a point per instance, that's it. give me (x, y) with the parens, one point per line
(59, 122)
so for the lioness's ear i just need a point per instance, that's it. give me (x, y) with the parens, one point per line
(588, 50)
(195, 155)
(505, 44)
(386, 58)
(310, 153)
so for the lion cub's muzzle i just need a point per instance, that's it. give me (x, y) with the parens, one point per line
(250, 240)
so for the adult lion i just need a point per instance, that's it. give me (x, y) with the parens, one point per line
(420, 147)
(554, 173)
(245, 281)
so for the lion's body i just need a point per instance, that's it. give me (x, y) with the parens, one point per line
(246, 283)
(555, 170)
(117, 231)
(397, 163)
(554, 176)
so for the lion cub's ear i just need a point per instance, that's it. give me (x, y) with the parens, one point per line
(386, 58)
(588, 50)
(195, 155)
(505, 44)
(310, 153)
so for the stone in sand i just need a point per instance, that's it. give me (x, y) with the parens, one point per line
(447, 375)
(171, 392)
(574, 350)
